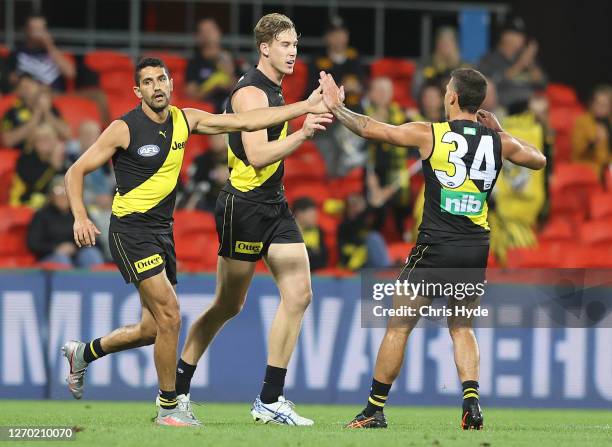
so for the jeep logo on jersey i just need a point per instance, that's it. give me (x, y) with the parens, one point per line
(462, 203)
(148, 263)
(178, 145)
(148, 150)
(249, 248)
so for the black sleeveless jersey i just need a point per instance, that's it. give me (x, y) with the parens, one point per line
(265, 184)
(147, 172)
(459, 175)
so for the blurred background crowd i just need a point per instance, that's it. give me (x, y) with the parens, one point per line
(357, 202)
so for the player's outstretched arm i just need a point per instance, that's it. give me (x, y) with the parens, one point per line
(409, 134)
(248, 121)
(115, 136)
(518, 151)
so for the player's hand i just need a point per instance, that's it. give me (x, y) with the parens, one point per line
(85, 233)
(489, 120)
(332, 95)
(315, 122)
(315, 102)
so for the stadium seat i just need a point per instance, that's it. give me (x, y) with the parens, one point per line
(561, 95)
(557, 230)
(401, 72)
(19, 261)
(316, 191)
(117, 83)
(550, 255)
(197, 250)
(185, 103)
(76, 109)
(13, 244)
(399, 251)
(597, 233)
(4, 51)
(600, 205)
(193, 222)
(120, 104)
(300, 170)
(294, 85)
(196, 145)
(562, 121)
(571, 186)
(589, 258)
(8, 161)
(351, 183)
(14, 217)
(106, 61)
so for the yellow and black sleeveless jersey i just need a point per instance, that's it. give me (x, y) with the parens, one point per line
(147, 172)
(259, 185)
(459, 176)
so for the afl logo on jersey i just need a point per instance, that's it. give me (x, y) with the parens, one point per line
(149, 150)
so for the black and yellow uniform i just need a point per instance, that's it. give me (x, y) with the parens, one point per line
(251, 210)
(459, 175)
(147, 173)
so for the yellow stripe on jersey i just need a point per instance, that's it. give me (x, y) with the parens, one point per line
(441, 160)
(246, 178)
(147, 195)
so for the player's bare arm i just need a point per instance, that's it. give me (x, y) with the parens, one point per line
(518, 151)
(115, 136)
(410, 134)
(259, 150)
(251, 120)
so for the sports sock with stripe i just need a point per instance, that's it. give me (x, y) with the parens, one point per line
(379, 392)
(167, 399)
(273, 385)
(470, 391)
(184, 374)
(93, 351)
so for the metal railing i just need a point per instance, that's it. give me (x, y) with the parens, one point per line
(135, 41)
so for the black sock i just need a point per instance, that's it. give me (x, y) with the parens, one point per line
(93, 351)
(184, 373)
(470, 392)
(273, 385)
(379, 392)
(167, 399)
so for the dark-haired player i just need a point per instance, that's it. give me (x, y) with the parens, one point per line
(462, 158)
(146, 146)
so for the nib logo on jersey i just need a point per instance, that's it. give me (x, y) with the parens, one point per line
(462, 203)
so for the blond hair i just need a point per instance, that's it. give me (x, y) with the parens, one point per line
(270, 26)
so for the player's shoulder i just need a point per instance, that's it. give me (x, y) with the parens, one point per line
(248, 97)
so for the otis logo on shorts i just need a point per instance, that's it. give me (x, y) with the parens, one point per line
(149, 150)
(249, 248)
(148, 263)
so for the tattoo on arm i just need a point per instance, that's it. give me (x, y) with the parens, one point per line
(354, 121)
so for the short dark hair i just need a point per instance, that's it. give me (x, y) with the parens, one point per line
(148, 62)
(303, 204)
(471, 88)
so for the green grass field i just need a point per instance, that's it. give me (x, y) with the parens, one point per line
(129, 424)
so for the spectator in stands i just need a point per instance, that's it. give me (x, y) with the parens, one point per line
(99, 184)
(342, 62)
(592, 133)
(307, 217)
(210, 74)
(387, 164)
(437, 68)
(36, 167)
(491, 102)
(359, 245)
(39, 56)
(50, 235)
(431, 104)
(207, 175)
(513, 67)
(33, 108)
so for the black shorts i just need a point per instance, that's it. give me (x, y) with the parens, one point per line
(446, 264)
(246, 228)
(142, 255)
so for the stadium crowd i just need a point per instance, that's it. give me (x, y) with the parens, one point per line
(358, 203)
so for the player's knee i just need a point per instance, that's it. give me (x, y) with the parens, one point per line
(230, 309)
(169, 320)
(299, 300)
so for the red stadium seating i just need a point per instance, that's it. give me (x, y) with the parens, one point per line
(399, 251)
(197, 251)
(294, 85)
(120, 104)
(176, 65)
(572, 184)
(561, 95)
(15, 217)
(562, 121)
(401, 72)
(4, 51)
(185, 103)
(557, 230)
(300, 170)
(193, 222)
(600, 205)
(13, 244)
(589, 258)
(75, 109)
(106, 60)
(316, 191)
(8, 161)
(543, 256)
(597, 233)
